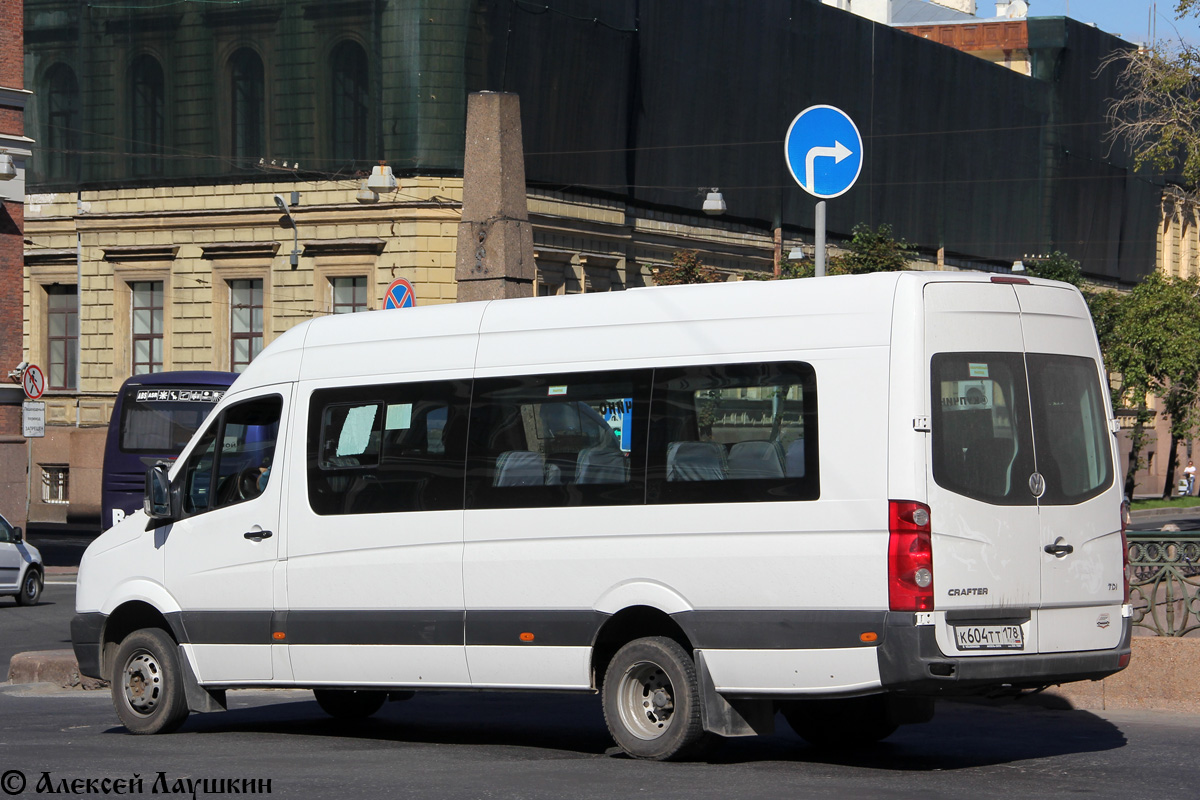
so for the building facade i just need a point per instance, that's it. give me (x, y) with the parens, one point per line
(14, 157)
(124, 281)
(166, 133)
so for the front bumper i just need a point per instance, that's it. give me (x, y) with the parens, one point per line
(86, 630)
(910, 661)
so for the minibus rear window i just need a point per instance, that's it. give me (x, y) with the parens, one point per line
(982, 445)
(1070, 430)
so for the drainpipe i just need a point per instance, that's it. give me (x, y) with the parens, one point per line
(78, 303)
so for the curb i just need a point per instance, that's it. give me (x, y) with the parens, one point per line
(1151, 513)
(1161, 676)
(58, 667)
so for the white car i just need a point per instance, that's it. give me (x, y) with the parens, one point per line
(21, 570)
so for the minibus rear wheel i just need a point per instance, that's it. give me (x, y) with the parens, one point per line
(349, 703)
(652, 700)
(147, 683)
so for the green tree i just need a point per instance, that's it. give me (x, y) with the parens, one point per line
(1153, 341)
(871, 251)
(1105, 307)
(788, 269)
(686, 267)
(1056, 267)
(867, 251)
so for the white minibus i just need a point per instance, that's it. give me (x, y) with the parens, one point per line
(837, 498)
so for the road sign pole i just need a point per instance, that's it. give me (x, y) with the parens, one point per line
(819, 239)
(824, 152)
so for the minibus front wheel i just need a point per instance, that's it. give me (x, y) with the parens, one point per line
(147, 683)
(651, 700)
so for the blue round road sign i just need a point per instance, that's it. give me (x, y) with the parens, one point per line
(824, 151)
(400, 295)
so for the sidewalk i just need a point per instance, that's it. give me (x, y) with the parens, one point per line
(57, 667)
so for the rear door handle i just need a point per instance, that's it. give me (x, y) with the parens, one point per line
(1058, 549)
(257, 536)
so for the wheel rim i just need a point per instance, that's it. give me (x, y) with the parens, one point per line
(142, 683)
(646, 700)
(31, 585)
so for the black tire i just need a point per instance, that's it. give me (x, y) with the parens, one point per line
(852, 722)
(652, 701)
(147, 683)
(31, 588)
(350, 703)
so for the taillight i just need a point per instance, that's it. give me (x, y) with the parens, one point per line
(1125, 547)
(910, 557)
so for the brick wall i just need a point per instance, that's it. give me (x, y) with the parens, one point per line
(12, 45)
(12, 263)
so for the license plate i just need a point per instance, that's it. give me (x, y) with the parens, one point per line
(989, 637)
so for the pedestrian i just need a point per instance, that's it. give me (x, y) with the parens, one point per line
(1189, 472)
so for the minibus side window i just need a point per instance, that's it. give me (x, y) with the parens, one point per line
(197, 475)
(982, 446)
(350, 435)
(571, 439)
(239, 469)
(1070, 428)
(387, 447)
(734, 433)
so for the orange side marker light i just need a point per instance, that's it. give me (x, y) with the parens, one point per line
(869, 636)
(526, 637)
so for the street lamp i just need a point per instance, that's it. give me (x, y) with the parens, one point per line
(714, 203)
(291, 223)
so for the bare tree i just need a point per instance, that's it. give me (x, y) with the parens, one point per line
(1156, 113)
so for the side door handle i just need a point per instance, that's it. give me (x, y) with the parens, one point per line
(257, 536)
(1058, 549)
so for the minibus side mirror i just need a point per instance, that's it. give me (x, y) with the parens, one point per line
(157, 503)
(18, 534)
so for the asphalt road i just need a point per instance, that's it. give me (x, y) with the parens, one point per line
(470, 745)
(46, 626)
(1186, 519)
(517, 745)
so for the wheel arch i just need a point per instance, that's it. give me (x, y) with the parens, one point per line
(38, 569)
(633, 622)
(126, 618)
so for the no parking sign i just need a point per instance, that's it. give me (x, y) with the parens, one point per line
(400, 295)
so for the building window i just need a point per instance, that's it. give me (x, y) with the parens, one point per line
(245, 322)
(147, 123)
(348, 70)
(62, 123)
(62, 317)
(349, 294)
(55, 483)
(246, 92)
(147, 306)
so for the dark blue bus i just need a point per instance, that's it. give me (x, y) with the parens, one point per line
(154, 417)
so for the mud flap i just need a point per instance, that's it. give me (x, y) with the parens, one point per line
(199, 699)
(740, 717)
